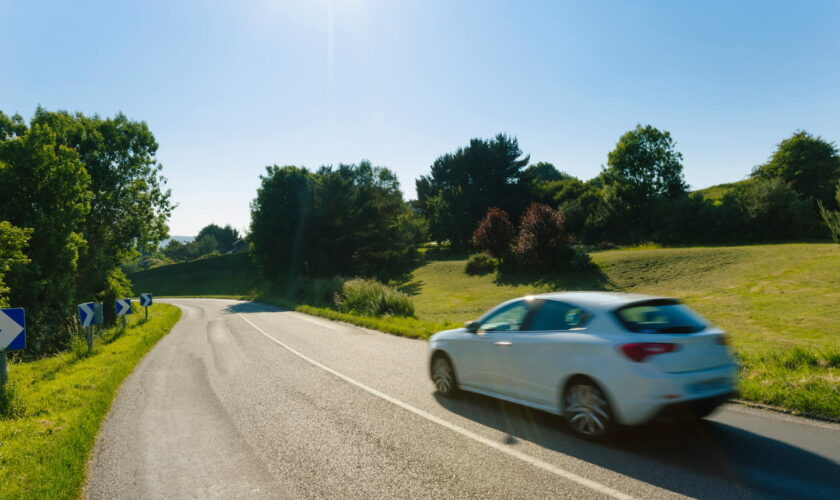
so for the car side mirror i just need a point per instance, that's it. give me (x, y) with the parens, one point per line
(471, 326)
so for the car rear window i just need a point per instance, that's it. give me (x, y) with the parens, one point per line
(659, 316)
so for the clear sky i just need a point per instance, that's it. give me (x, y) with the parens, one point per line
(230, 87)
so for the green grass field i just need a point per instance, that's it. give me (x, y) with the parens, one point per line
(779, 304)
(58, 404)
(716, 193)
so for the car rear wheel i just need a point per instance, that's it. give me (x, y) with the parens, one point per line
(586, 409)
(443, 375)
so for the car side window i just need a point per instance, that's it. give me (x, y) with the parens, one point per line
(508, 319)
(553, 315)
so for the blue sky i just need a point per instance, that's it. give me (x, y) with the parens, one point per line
(229, 87)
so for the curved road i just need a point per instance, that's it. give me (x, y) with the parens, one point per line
(243, 400)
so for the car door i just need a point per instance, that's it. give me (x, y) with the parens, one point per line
(480, 363)
(535, 358)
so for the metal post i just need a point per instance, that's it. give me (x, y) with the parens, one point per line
(147, 312)
(123, 321)
(4, 375)
(89, 338)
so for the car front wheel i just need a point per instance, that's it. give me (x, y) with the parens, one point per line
(586, 409)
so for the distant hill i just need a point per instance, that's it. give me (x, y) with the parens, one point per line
(717, 192)
(182, 239)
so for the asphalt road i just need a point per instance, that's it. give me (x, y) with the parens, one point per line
(242, 400)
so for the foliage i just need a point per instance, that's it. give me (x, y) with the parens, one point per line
(542, 240)
(810, 164)
(481, 263)
(494, 233)
(59, 403)
(225, 237)
(129, 206)
(464, 184)
(369, 297)
(768, 210)
(337, 221)
(832, 217)
(117, 286)
(13, 240)
(46, 188)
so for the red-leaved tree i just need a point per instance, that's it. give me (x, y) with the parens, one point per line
(494, 233)
(542, 239)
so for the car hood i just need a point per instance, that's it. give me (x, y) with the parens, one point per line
(447, 334)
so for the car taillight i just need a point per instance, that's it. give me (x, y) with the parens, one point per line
(640, 351)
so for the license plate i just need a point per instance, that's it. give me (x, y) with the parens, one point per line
(705, 386)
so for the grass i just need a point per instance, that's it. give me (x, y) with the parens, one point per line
(778, 303)
(58, 403)
(716, 193)
(232, 275)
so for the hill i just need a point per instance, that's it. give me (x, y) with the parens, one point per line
(717, 192)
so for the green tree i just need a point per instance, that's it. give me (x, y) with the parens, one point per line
(832, 217)
(811, 165)
(279, 215)
(643, 169)
(225, 236)
(464, 184)
(13, 241)
(46, 188)
(129, 206)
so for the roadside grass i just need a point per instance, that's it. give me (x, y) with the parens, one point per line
(773, 300)
(58, 404)
(232, 275)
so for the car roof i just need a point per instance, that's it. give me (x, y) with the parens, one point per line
(605, 301)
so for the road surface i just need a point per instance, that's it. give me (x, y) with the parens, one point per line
(243, 400)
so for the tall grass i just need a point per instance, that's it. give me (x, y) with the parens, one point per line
(369, 297)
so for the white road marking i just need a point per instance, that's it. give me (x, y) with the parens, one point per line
(571, 476)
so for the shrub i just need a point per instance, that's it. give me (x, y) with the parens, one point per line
(369, 297)
(494, 233)
(481, 263)
(832, 217)
(542, 239)
(581, 261)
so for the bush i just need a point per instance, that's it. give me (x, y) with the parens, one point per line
(494, 233)
(542, 239)
(481, 263)
(581, 261)
(369, 297)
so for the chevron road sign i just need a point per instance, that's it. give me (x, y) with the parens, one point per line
(123, 307)
(12, 329)
(145, 299)
(87, 314)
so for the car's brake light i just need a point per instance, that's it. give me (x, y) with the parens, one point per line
(640, 351)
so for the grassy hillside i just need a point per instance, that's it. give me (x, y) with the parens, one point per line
(779, 304)
(223, 275)
(717, 192)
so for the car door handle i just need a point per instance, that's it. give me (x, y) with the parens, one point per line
(503, 343)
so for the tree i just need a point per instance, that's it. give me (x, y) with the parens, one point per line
(129, 206)
(464, 184)
(494, 233)
(643, 169)
(811, 165)
(542, 240)
(13, 241)
(225, 236)
(832, 217)
(46, 188)
(279, 216)
(769, 210)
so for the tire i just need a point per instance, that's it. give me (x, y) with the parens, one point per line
(587, 410)
(443, 375)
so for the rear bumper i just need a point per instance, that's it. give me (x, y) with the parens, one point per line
(642, 397)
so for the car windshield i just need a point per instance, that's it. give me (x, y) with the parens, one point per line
(659, 316)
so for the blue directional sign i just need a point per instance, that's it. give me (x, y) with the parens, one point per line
(87, 314)
(124, 307)
(145, 299)
(12, 329)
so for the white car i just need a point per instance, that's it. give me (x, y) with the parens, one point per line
(597, 358)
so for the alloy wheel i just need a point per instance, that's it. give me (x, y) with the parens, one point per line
(443, 375)
(587, 411)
